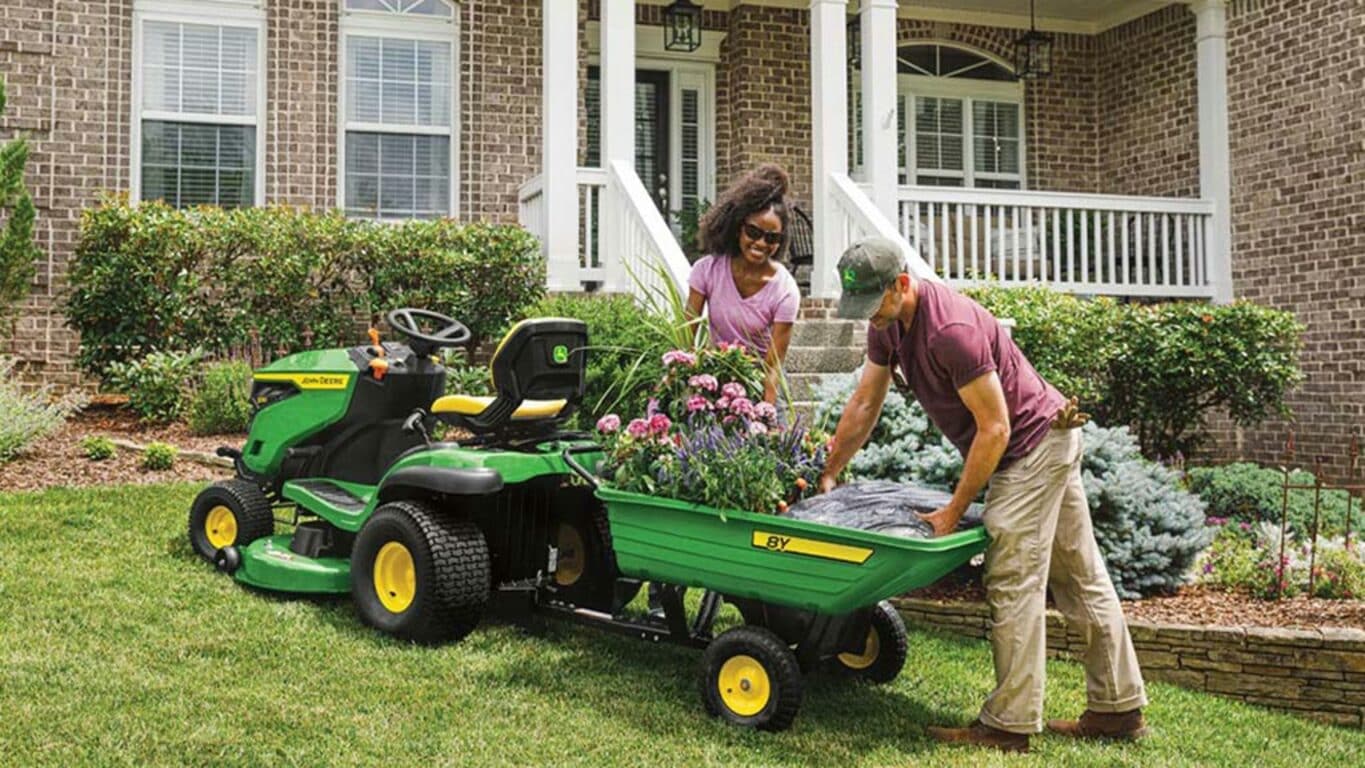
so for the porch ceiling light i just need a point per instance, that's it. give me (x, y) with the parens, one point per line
(1033, 52)
(682, 26)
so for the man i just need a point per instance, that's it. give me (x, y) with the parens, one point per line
(1019, 434)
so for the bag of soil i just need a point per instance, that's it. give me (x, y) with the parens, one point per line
(881, 506)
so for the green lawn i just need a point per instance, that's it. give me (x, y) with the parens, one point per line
(118, 647)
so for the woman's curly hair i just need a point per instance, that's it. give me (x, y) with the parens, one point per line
(763, 189)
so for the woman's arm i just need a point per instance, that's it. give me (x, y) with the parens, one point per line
(695, 302)
(772, 366)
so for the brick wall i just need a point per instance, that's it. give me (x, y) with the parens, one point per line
(1318, 673)
(301, 95)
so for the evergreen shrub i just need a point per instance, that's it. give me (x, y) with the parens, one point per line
(158, 456)
(1247, 493)
(155, 384)
(221, 402)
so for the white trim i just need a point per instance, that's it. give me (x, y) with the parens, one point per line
(379, 25)
(649, 42)
(220, 13)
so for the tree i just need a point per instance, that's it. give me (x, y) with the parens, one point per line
(18, 253)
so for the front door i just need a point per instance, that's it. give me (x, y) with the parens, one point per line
(653, 119)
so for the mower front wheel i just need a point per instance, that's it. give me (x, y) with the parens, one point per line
(229, 513)
(419, 575)
(751, 678)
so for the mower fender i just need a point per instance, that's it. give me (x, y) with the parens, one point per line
(410, 482)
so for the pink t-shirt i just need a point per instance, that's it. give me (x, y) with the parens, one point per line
(747, 321)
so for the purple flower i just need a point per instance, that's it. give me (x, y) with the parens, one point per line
(638, 428)
(678, 356)
(659, 424)
(765, 410)
(703, 381)
(609, 424)
(733, 389)
(698, 403)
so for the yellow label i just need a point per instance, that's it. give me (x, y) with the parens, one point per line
(777, 543)
(309, 380)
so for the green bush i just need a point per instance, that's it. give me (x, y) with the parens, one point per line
(155, 385)
(1246, 493)
(158, 456)
(152, 278)
(1339, 575)
(27, 417)
(221, 402)
(465, 378)
(97, 447)
(1232, 562)
(18, 253)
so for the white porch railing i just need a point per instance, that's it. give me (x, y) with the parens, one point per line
(640, 239)
(855, 217)
(1092, 244)
(591, 184)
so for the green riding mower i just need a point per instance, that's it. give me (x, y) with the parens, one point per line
(428, 536)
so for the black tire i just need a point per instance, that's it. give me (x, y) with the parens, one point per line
(768, 702)
(586, 572)
(450, 573)
(884, 655)
(229, 513)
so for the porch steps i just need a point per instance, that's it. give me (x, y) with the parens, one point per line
(822, 347)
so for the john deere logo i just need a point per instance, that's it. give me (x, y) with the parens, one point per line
(561, 354)
(850, 277)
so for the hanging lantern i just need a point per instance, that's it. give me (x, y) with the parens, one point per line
(1033, 52)
(682, 26)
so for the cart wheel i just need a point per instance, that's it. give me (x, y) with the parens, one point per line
(884, 653)
(419, 575)
(585, 574)
(750, 677)
(229, 513)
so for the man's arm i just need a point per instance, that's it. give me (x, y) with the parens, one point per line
(857, 421)
(985, 398)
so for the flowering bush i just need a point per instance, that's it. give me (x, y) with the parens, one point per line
(707, 437)
(1244, 557)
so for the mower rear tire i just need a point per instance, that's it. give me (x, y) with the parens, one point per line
(418, 574)
(585, 574)
(229, 513)
(749, 677)
(885, 650)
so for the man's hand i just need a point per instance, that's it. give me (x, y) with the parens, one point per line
(943, 520)
(826, 484)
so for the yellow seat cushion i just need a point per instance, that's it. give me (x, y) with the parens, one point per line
(470, 405)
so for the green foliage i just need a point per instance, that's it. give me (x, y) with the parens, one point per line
(18, 252)
(97, 447)
(221, 403)
(155, 384)
(1180, 362)
(151, 278)
(158, 456)
(1339, 575)
(1232, 562)
(689, 220)
(465, 378)
(27, 417)
(1246, 493)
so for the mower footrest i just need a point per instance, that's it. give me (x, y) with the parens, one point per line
(334, 495)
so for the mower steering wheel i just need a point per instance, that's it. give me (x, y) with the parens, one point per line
(452, 333)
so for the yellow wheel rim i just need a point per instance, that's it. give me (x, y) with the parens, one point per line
(867, 657)
(220, 527)
(744, 685)
(571, 564)
(395, 577)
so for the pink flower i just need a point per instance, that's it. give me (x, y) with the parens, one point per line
(732, 389)
(765, 410)
(609, 424)
(723, 403)
(758, 428)
(704, 381)
(698, 403)
(638, 428)
(742, 406)
(679, 356)
(659, 424)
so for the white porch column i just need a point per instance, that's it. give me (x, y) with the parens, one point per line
(878, 29)
(559, 137)
(618, 131)
(829, 135)
(1214, 166)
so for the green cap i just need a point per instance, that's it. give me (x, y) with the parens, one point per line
(866, 270)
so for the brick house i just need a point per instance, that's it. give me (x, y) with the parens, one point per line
(1195, 149)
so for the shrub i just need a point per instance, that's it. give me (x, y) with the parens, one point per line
(1232, 562)
(18, 253)
(464, 378)
(97, 447)
(1250, 494)
(1180, 362)
(1339, 575)
(158, 456)
(155, 385)
(221, 402)
(27, 417)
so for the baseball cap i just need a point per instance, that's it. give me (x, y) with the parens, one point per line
(866, 270)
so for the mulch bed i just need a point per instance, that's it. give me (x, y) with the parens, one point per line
(1203, 607)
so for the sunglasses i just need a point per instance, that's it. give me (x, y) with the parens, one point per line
(755, 233)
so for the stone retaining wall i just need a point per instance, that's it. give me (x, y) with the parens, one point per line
(1317, 673)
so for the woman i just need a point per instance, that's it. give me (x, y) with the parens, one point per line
(750, 297)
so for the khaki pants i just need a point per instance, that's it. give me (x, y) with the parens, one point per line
(1041, 537)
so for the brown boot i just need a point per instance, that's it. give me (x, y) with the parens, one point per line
(1123, 726)
(982, 735)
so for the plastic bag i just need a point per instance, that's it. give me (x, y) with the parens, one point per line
(881, 506)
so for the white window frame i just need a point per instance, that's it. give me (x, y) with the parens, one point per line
(408, 27)
(910, 87)
(219, 13)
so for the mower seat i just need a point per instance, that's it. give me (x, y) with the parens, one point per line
(538, 379)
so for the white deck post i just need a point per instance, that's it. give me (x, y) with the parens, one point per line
(878, 30)
(559, 148)
(829, 135)
(618, 127)
(1214, 166)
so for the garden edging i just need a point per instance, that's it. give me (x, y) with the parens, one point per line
(1318, 673)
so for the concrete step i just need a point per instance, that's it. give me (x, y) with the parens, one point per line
(803, 386)
(829, 333)
(823, 359)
